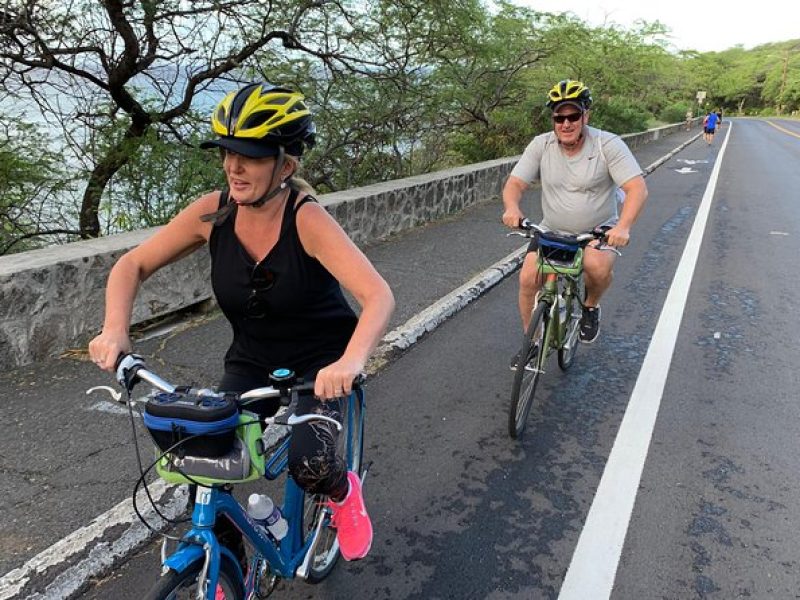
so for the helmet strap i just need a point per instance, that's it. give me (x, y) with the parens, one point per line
(220, 216)
(273, 189)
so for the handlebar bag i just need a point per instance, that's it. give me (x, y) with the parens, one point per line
(206, 425)
(229, 468)
(558, 248)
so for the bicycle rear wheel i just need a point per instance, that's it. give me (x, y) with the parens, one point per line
(529, 371)
(183, 586)
(350, 446)
(566, 354)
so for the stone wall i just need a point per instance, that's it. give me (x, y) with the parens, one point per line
(53, 299)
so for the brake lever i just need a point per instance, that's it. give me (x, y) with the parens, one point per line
(295, 420)
(117, 396)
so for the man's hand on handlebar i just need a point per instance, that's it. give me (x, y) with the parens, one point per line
(512, 217)
(618, 236)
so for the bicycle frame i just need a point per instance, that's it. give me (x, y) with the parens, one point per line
(200, 543)
(286, 558)
(555, 334)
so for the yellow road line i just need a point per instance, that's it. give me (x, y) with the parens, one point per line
(797, 135)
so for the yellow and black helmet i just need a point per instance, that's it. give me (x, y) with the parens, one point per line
(569, 90)
(255, 120)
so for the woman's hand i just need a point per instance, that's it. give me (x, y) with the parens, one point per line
(106, 347)
(336, 380)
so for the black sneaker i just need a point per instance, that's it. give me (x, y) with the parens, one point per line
(590, 324)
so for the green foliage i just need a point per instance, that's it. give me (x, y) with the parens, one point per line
(32, 179)
(764, 80)
(676, 112)
(175, 175)
(620, 115)
(398, 87)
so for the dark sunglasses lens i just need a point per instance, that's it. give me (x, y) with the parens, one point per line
(255, 307)
(572, 118)
(262, 279)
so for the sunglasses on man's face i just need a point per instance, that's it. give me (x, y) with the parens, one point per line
(571, 117)
(261, 280)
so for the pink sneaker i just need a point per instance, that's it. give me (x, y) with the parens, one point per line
(350, 518)
(220, 595)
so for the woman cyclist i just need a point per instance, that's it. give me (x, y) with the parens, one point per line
(277, 262)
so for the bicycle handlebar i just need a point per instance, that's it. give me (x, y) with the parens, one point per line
(130, 370)
(598, 233)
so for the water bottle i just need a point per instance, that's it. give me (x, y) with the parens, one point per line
(562, 309)
(263, 511)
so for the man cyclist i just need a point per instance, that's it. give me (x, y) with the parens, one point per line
(581, 169)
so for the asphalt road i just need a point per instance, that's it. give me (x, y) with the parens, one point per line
(462, 511)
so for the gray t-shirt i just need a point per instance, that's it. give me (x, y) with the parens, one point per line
(578, 192)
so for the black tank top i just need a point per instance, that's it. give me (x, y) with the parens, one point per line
(306, 322)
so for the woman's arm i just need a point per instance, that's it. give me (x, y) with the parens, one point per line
(325, 240)
(178, 238)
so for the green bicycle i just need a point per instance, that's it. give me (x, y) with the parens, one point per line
(555, 321)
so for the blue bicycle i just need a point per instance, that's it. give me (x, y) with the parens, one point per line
(202, 567)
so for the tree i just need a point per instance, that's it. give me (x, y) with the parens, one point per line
(126, 68)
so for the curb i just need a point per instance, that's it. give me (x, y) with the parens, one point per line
(99, 543)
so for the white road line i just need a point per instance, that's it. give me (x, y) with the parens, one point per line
(594, 563)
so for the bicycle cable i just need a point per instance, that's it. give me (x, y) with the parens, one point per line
(142, 480)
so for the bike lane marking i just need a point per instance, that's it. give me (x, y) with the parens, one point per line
(593, 567)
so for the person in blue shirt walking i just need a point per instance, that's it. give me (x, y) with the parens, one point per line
(710, 126)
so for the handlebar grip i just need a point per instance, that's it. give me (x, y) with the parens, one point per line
(127, 365)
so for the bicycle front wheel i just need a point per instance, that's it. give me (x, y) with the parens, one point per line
(566, 353)
(529, 371)
(183, 586)
(350, 447)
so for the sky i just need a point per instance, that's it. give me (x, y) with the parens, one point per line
(702, 26)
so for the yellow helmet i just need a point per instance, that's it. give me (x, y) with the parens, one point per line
(257, 119)
(569, 90)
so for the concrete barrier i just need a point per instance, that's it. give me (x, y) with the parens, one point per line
(53, 299)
